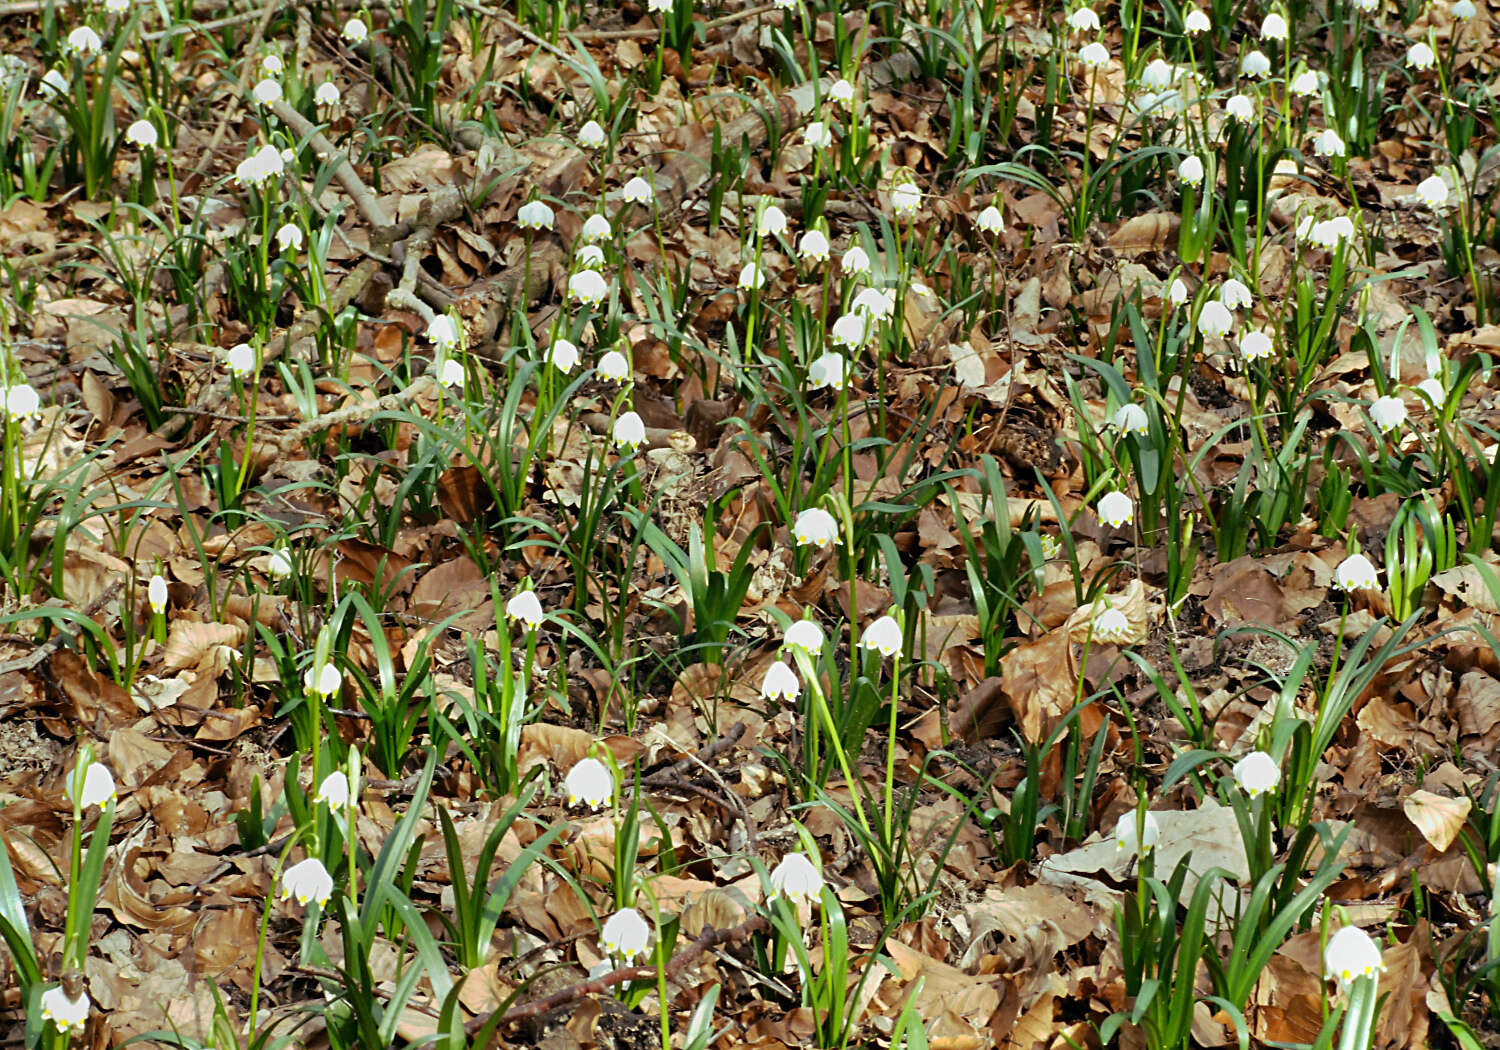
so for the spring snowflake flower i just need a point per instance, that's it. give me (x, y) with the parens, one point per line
(1255, 64)
(442, 332)
(1328, 144)
(91, 784)
(267, 91)
(829, 371)
(841, 91)
(1306, 83)
(818, 135)
(1197, 22)
(1355, 573)
(805, 636)
(1463, 10)
(142, 135)
(595, 228)
(54, 84)
(883, 636)
(1257, 773)
(83, 42)
(856, 262)
(240, 360)
(1093, 55)
(1420, 56)
(1157, 76)
(772, 222)
(355, 32)
(852, 330)
(64, 1013)
(1116, 509)
(905, 198)
(1084, 20)
(874, 303)
(453, 374)
(534, 216)
(334, 791)
(526, 607)
(1177, 292)
(289, 237)
(589, 782)
(591, 135)
(815, 526)
(1051, 546)
(156, 594)
(323, 681)
(1144, 839)
(1190, 171)
(1351, 954)
(796, 878)
(630, 431)
(1110, 626)
(563, 354)
(271, 66)
(991, 221)
(279, 564)
(588, 286)
(264, 164)
(1256, 345)
(327, 96)
(658, 7)
(21, 401)
(1235, 294)
(613, 367)
(780, 683)
(638, 191)
(1215, 319)
(116, 7)
(625, 935)
(1433, 191)
(1330, 233)
(752, 276)
(1273, 27)
(1432, 390)
(1240, 108)
(1131, 419)
(813, 247)
(307, 880)
(590, 257)
(1388, 413)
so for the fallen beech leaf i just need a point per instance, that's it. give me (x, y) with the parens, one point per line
(1437, 817)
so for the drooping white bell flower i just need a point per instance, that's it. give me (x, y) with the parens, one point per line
(1328, 144)
(442, 332)
(1215, 319)
(1235, 294)
(752, 276)
(328, 95)
(841, 91)
(796, 878)
(905, 198)
(638, 191)
(805, 636)
(1432, 390)
(526, 607)
(156, 594)
(266, 91)
(829, 371)
(815, 526)
(1177, 292)
(1257, 773)
(813, 246)
(626, 935)
(1093, 55)
(1197, 22)
(1190, 171)
(589, 783)
(1254, 64)
(882, 636)
(322, 681)
(1256, 345)
(780, 683)
(1116, 509)
(589, 287)
(818, 135)
(240, 360)
(595, 228)
(1351, 954)
(1128, 837)
(591, 135)
(629, 431)
(1273, 27)
(1433, 191)
(334, 791)
(534, 215)
(91, 784)
(307, 881)
(852, 330)
(991, 221)
(355, 32)
(1355, 573)
(1131, 418)
(589, 257)
(1388, 413)
(613, 367)
(65, 1014)
(1084, 20)
(1462, 10)
(453, 374)
(1110, 626)
(856, 262)
(289, 237)
(563, 354)
(141, 134)
(83, 42)
(772, 221)
(1157, 76)
(1240, 108)
(1420, 56)
(1307, 83)
(279, 563)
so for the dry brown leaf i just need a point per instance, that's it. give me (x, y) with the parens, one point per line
(1437, 817)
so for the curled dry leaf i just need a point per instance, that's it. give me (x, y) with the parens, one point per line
(1437, 817)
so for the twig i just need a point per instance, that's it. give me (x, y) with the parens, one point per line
(56, 642)
(355, 413)
(364, 200)
(231, 107)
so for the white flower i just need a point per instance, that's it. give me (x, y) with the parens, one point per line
(905, 198)
(1084, 20)
(795, 878)
(240, 360)
(1190, 170)
(1240, 108)
(116, 7)
(816, 526)
(613, 367)
(1329, 233)
(453, 374)
(1388, 413)
(334, 791)
(534, 216)
(626, 935)
(595, 228)
(526, 607)
(991, 221)
(279, 564)
(856, 262)
(818, 135)
(1463, 10)
(1157, 75)
(1432, 390)
(54, 83)
(323, 681)
(1177, 292)
(289, 237)
(442, 332)
(804, 635)
(1433, 191)
(875, 304)
(1128, 837)
(1420, 56)
(563, 354)
(267, 91)
(1116, 509)
(1093, 55)
(355, 32)
(590, 257)
(1306, 83)
(91, 784)
(1215, 319)
(1327, 143)
(591, 135)
(1131, 419)
(307, 881)
(141, 134)
(588, 286)
(21, 401)
(1355, 573)
(813, 246)
(772, 221)
(841, 91)
(1273, 27)
(1256, 345)
(1257, 772)
(589, 782)
(1196, 22)
(1110, 626)
(1350, 954)
(829, 370)
(83, 42)
(327, 95)
(265, 163)
(780, 683)
(1255, 64)
(271, 66)
(883, 636)
(852, 330)
(638, 191)
(66, 1014)
(1235, 294)
(658, 7)
(156, 593)
(752, 276)
(629, 431)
